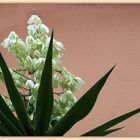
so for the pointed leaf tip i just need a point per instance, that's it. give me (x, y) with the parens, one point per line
(53, 31)
(86, 102)
(44, 105)
(107, 132)
(111, 69)
(111, 123)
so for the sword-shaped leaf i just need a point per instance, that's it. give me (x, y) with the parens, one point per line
(1, 76)
(15, 96)
(104, 133)
(44, 105)
(4, 131)
(80, 109)
(7, 112)
(111, 123)
(9, 125)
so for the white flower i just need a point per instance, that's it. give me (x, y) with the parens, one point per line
(32, 99)
(30, 40)
(11, 39)
(68, 96)
(30, 84)
(48, 41)
(40, 60)
(55, 80)
(54, 64)
(38, 41)
(43, 29)
(38, 63)
(13, 35)
(58, 118)
(6, 43)
(69, 81)
(18, 83)
(21, 44)
(29, 59)
(37, 53)
(34, 19)
(36, 86)
(79, 81)
(34, 90)
(31, 30)
(60, 45)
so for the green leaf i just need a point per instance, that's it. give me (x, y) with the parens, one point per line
(111, 123)
(7, 112)
(1, 76)
(80, 109)
(104, 133)
(44, 105)
(15, 96)
(9, 125)
(4, 131)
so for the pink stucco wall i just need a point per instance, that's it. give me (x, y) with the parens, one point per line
(95, 38)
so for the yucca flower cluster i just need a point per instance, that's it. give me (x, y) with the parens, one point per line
(31, 56)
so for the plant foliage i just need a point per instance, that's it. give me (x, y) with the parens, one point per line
(21, 125)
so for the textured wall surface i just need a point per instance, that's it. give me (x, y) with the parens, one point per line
(95, 38)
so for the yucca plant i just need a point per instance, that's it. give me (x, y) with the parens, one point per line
(19, 123)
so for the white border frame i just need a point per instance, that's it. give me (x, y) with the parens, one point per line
(68, 2)
(72, 1)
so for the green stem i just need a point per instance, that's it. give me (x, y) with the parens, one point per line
(23, 75)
